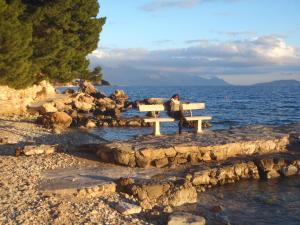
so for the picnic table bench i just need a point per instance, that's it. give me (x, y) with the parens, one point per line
(161, 107)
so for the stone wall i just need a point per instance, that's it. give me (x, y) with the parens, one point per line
(14, 102)
(181, 154)
(175, 188)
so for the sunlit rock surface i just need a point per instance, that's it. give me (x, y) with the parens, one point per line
(171, 150)
(16, 101)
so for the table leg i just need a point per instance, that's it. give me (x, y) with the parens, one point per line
(199, 127)
(156, 129)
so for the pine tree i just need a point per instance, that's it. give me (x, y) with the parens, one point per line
(64, 33)
(96, 75)
(42, 39)
(15, 50)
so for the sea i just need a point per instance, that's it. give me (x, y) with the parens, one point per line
(261, 202)
(229, 106)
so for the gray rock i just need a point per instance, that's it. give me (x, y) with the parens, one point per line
(39, 149)
(127, 208)
(48, 108)
(57, 119)
(183, 196)
(180, 218)
(272, 174)
(87, 87)
(289, 170)
(86, 107)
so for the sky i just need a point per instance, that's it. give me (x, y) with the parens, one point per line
(240, 41)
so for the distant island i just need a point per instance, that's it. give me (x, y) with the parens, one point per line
(102, 83)
(280, 83)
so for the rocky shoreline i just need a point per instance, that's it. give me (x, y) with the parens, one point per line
(89, 108)
(71, 185)
(54, 173)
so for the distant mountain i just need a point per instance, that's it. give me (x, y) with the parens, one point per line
(280, 83)
(134, 77)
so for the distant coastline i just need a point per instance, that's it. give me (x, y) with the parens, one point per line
(75, 83)
(197, 82)
(279, 83)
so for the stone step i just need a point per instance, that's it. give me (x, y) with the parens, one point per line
(179, 186)
(172, 150)
(76, 183)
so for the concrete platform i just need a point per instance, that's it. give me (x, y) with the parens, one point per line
(171, 150)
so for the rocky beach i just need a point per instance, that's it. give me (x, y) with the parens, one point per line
(55, 171)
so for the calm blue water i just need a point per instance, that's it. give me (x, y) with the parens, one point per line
(252, 202)
(229, 106)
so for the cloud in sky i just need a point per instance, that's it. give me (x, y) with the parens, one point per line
(262, 55)
(155, 5)
(238, 33)
(200, 41)
(161, 42)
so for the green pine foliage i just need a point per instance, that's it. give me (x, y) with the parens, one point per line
(61, 34)
(96, 75)
(15, 45)
(64, 33)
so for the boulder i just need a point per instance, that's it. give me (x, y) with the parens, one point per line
(182, 218)
(87, 87)
(183, 196)
(46, 90)
(106, 103)
(201, 178)
(155, 191)
(127, 209)
(60, 105)
(56, 120)
(99, 95)
(289, 170)
(272, 174)
(159, 163)
(83, 106)
(38, 149)
(119, 95)
(86, 98)
(47, 108)
(90, 124)
(15, 102)
(133, 123)
(114, 113)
